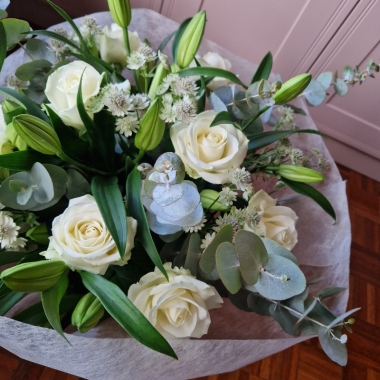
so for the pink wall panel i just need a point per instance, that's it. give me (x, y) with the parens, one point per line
(179, 10)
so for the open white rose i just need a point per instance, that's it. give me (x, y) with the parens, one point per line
(81, 239)
(212, 153)
(215, 60)
(62, 89)
(111, 44)
(266, 219)
(178, 308)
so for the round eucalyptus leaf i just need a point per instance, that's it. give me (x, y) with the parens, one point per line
(160, 228)
(24, 195)
(216, 103)
(165, 195)
(258, 304)
(28, 70)
(77, 185)
(187, 221)
(38, 49)
(333, 348)
(17, 185)
(340, 87)
(177, 164)
(315, 93)
(171, 237)
(225, 94)
(14, 30)
(286, 320)
(267, 114)
(270, 283)
(325, 79)
(41, 180)
(241, 109)
(149, 187)
(274, 248)
(3, 14)
(348, 73)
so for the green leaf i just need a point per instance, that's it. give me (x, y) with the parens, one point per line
(23, 160)
(348, 73)
(110, 202)
(15, 30)
(333, 348)
(51, 299)
(252, 255)
(136, 210)
(274, 248)
(3, 14)
(328, 292)
(341, 317)
(260, 140)
(307, 311)
(166, 40)
(3, 44)
(28, 70)
(207, 262)
(311, 192)
(284, 318)
(297, 302)
(8, 300)
(280, 279)
(55, 36)
(315, 93)
(38, 49)
(8, 257)
(210, 71)
(125, 313)
(222, 118)
(31, 107)
(296, 110)
(258, 304)
(228, 265)
(264, 69)
(99, 65)
(201, 102)
(193, 254)
(340, 87)
(325, 79)
(178, 35)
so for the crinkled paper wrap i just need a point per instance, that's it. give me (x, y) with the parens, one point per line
(235, 338)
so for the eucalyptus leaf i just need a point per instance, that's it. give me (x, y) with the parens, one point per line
(325, 79)
(333, 348)
(240, 299)
(280, 279)
(315, 93)
(227, 264)
(348, 73)
(311, 192)
(193, 254)
(276, 249)
(108, 197)
(38, 49)
(207, 262)
(3, 14)
(284, 318)
(77, 185)
(342, 317)
(14, 30)
(307, 311)
(51, 299)
(328, 292)
(28, 70)
(340, 87)
(125, 313)
(297, 302)
(259, 304)
(217, 104)
(252, 255)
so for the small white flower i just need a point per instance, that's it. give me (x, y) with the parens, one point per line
(17, 244)
(248, 191)
(16, 84)
(185, 109)
(117, 102)
(323, 164)
(232, 219)
(164, 60)
(207, 240)
(287, 115)
(90, 26)
(135, 60)
(296, 157)
(241, 178)
(227, 197)
(187, 86)
(168, 113)
(147, 52)
(140, 101)
(197, 227)
(8, 230)
(127, 125)
(315, 152)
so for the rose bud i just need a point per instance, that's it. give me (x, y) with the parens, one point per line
(38, 134)
(209, 200)
(120, 12)
(292, 88)
(152, 128)
(191, 39)
(299, 173)
(33, 277)
(87, 313)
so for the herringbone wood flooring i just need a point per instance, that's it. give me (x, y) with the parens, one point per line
(305, 361)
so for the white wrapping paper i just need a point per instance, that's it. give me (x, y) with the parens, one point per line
(235, 338)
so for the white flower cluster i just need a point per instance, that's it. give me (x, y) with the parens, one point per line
(9, 232)
(179, 99)
(242, 179)
(140, 57)
(286, 117)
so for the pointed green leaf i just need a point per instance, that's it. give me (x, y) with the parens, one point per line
(252, 255)
(3, 44)
(177, 38)
(194, 253)
(136, 210)
(110, 202)
(311, 192)
(8, 300)
(51, 299)
(55, 36)
(211, 71)
(284, 319)
(328, 292)
(165, 41)
(260, 140)
(125, 313)
(222, 118)
(228, 265)
(207, 263)
(23, 160)
(341, 317)
(264, 69)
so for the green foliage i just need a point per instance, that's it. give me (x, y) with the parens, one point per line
(14, 30)
(8, 300)
(264, 69)
(3, 44)
(177, 38)
(315, 93)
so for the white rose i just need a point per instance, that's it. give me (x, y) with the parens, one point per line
(112, 47)
(62, 89)
(81, 239)
(212, 153)
(178, 308)
(264, 218)
(218, 62)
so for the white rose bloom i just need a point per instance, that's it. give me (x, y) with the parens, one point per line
(218, 62)
(111, 44)
(81, 239)
(178, 308)
(264, 218)
(211, 153)
(62, 89)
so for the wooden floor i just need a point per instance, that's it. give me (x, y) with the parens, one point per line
(305, 361)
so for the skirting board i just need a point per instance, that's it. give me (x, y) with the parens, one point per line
(354, 159)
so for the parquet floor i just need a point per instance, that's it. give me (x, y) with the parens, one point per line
(305, 361)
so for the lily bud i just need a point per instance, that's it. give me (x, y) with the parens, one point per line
(299, 174)
(160, 74)
(191, 39)
(152, 128)
(38, 134)
(87, 313)
(292, 88)
(14, 138)
(33, 277)
(10, 110)
(120, 12)
(209, 201)
(39, 234)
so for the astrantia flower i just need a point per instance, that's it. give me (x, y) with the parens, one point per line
(168, 113)
(197, 227)
(17, 244)
(135, 60)
(185, 109)
(164, 60)
(127, 125)
(117, 102)
(140, 101)
(8, 230)
(296, 156)
(241, 178)
(147, 52)
(227, 196)
(187, 86)
(16, 84)
(90, 26)
(207, 240)
(323, 164)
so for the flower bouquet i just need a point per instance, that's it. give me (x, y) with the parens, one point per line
(156, 199)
